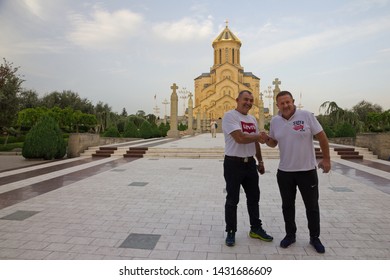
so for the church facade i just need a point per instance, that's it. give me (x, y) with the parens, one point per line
(215, 92)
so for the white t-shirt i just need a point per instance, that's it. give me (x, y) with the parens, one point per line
(295, 140)
(234, 120)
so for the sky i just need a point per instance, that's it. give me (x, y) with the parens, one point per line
(128, 53)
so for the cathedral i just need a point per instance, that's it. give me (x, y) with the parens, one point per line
(215, 92)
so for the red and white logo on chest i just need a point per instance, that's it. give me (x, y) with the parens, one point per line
(248, 127)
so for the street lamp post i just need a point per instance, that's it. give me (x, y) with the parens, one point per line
(156, 111)
(165, 103)
(268, 94)
(184, 95)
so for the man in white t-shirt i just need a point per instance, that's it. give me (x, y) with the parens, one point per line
(293, 131)
(241, 145)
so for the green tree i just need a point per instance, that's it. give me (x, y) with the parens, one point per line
(27, 118)
(138, 121)
(140, 113)
(151, 118)
(102, 112)
(163, 128)
(345, 130)
(112, 131)
(131, 131)
(10, 86)
(378, 122)
(363, 108)
(66, 99)
(44, 140)
(335, 117)
(124, 113)
(182, 127)
(28, 99)
(146, 130)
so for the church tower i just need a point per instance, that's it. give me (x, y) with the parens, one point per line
(216, 91)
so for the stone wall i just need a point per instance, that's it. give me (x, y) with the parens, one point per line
(79, 142)
(378, 143)
(343, 141)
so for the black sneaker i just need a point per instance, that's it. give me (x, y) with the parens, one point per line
(230, 238)
(287, 241)
(261, 234)
(316, 243)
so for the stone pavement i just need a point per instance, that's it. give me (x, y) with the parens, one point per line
(173, 208)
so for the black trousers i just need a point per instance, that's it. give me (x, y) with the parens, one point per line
(243, 174)
(307, 182)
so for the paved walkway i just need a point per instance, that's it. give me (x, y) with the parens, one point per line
(155, 208)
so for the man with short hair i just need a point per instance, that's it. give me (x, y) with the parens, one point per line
(293, 131)
(241, 145)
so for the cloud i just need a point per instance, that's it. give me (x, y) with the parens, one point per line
(289, 49)
(104, 30)
(363, 6)
(35, 7)
(186, 29)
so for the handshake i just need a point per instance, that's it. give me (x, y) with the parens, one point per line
(263, 138)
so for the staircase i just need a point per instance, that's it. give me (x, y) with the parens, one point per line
(137, 152)
(211, 153)
(348, 153)
(104, 152)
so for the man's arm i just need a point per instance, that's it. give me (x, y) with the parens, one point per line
(324, 164)
(243, 138)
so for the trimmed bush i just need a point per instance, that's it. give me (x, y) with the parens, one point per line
(44, 140)
(163, 128)
(146, 130)
(131, 131)
(112, 132)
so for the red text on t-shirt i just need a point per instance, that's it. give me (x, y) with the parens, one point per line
(248, 127)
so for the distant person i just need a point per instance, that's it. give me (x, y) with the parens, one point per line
(241, 145)
(213, 128)
(293, 131)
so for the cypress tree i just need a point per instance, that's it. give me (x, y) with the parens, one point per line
(44, 140)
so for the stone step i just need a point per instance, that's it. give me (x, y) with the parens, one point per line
(104, 152)
(217, 153)
(348, 153)
(156, 152)
(342, 149)
(137, 152)
(351, 156)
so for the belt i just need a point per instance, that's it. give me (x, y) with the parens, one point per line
(241, 159)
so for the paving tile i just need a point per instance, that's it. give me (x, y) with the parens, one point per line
(20, 215)
(138, 184)
(140, 241)
(182, 202)
(33, 255)
(34, 245)
(192, 256)
(59, 247)
(181, 247)
(164, 255)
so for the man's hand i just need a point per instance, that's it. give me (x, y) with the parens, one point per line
(324, 164)
(263, 137)
(260, 168)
